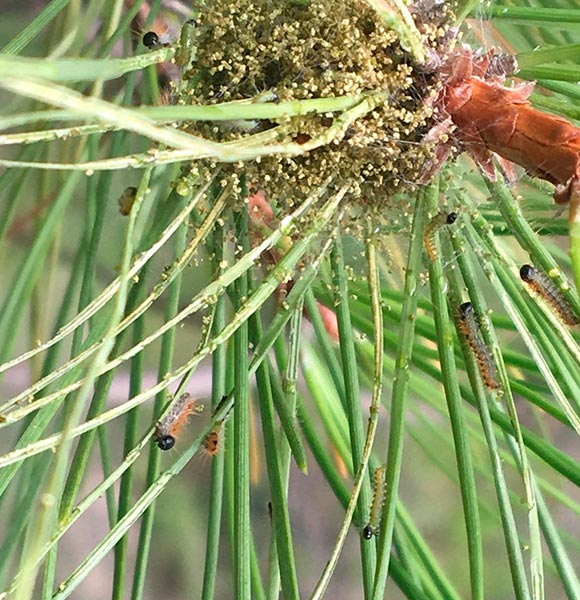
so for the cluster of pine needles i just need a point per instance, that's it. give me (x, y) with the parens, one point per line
(237, 206)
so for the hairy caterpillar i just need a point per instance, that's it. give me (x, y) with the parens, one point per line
(211, 442)
(429, 237)
(469, 326)
(377, 503)
(542, 285)
(168, 428)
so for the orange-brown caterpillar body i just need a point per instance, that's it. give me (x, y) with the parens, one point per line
(429, 238)
(469, 326)
(545, 288)
(377, 503)
(168, 428)
(211, 443)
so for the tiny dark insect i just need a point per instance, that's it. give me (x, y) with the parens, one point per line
(542, 285)
(301, 138)
(368, 532)
(429, 237)
(469, 326)
(151, 40)
(127, 200)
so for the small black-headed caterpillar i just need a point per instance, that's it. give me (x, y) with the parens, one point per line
(469, 327)
(168, 428)
(429, 238)
(377, 503)
(127, 200)
(542, 285)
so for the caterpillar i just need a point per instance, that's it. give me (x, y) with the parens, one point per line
(185, 53)
(542, 285)
(211, 443)
(168, 428)
(433, 225)
(373, 525)
(127, 200)
(469, 327)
